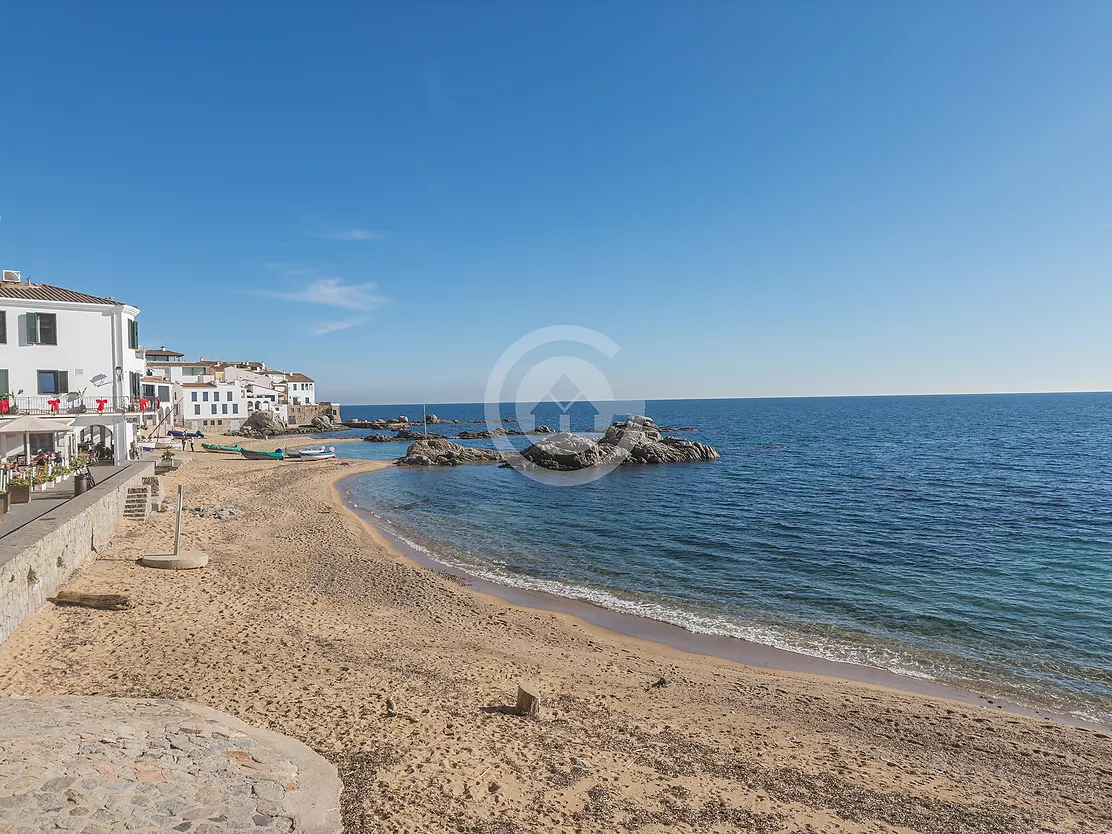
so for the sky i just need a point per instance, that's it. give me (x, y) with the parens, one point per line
(747, 199)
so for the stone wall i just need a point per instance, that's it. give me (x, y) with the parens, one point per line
(302, 415)
(38, 558)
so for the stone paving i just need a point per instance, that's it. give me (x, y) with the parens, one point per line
(99, 765)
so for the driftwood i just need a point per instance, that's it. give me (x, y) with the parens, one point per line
(103, 602)
(528, 701)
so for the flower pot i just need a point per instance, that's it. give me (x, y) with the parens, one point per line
(5, 501)
(20, 493)
(80, 485)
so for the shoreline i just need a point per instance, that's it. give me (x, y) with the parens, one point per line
(733, 649)
(308, 622)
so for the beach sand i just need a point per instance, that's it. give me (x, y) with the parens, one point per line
(306, 621)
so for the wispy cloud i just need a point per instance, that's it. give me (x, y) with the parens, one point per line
(350, 234)
(333, 326)
(330, 291)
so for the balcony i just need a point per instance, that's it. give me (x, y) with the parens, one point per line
(63, 405)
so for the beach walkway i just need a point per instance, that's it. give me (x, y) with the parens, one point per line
(94, 764)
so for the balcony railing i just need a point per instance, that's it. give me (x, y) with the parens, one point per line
(49, 405)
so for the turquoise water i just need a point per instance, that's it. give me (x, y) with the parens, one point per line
(966, 539)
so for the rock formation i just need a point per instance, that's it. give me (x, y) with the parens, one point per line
(439, 452)
(635, 441)
(261, 424)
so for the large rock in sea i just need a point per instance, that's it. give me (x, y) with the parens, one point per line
(484, 434)
(634, 441)
(440, 452)
(263, 423)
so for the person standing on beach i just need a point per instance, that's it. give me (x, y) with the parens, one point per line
(191, 445)
(183, 442)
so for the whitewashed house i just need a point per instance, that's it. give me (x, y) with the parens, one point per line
(72, 357)
(299, 389)
(210, 406)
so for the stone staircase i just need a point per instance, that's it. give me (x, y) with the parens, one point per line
(138, 503)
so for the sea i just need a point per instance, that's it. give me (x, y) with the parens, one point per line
(961, 539)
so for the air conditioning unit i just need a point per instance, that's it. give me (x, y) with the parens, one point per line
(11, 276)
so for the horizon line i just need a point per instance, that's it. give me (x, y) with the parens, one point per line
(780, 397)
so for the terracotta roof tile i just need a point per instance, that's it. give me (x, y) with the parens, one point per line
(45, 292)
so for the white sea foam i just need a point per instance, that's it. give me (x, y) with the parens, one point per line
(810, 645)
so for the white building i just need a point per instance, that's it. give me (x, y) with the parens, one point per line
(73, 357)
(300, 389)
(217, 406)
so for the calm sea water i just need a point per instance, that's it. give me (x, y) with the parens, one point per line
(966, 539)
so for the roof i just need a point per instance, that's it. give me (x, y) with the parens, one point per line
(163, 352)
(160, 379)
(198, 385)
(45, 292)
(191, 364)
(298, 378)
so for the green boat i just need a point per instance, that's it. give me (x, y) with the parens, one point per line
(212, 447)
(251, 454)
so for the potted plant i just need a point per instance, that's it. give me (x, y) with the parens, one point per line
(5, 501)
(13, 406)
(77, 402)
(19, 488)
(39, 478)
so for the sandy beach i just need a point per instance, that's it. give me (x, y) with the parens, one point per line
(307, 621)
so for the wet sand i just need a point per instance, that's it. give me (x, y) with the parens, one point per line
(307, 620)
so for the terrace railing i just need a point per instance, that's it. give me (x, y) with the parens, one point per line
(47, 405)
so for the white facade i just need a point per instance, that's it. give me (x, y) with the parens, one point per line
(219, 406)
(300, 390)
(180, 372)
(71, 355)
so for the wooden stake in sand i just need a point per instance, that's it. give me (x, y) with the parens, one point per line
(178, 560)
(528, 701)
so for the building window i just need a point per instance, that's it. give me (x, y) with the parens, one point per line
(205, 396)
(3, 328)
(196, 409)
(193, 396)
(235, 406)
(133, 334)
(3, 383)
(224, 408)
(134, 378)
(220, 422)
(42, 329)
(148, 391)
(214, 408)
(53, 382)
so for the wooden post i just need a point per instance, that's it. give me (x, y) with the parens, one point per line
(528, 701)
(177, 534)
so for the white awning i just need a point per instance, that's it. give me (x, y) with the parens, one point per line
(30, 424)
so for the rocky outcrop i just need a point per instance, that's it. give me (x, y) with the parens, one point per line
(439, 452)
(635, 441)
(402, 434)
(263, 424)
(432, 419)
(485, 433)
(322, 422)
(543, 430)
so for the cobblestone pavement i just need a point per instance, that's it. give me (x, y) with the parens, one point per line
(99, 765)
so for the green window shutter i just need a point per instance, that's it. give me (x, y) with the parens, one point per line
(32, 328)
(133, 334)
(63, 382)
(3, 383)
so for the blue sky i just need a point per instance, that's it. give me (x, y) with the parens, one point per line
(749, 199)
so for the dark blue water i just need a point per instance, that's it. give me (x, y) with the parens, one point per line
(962, 538)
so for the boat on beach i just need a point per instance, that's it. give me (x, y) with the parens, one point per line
(252, 454)
(315, 453)
(179, 433)
(214, 447)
